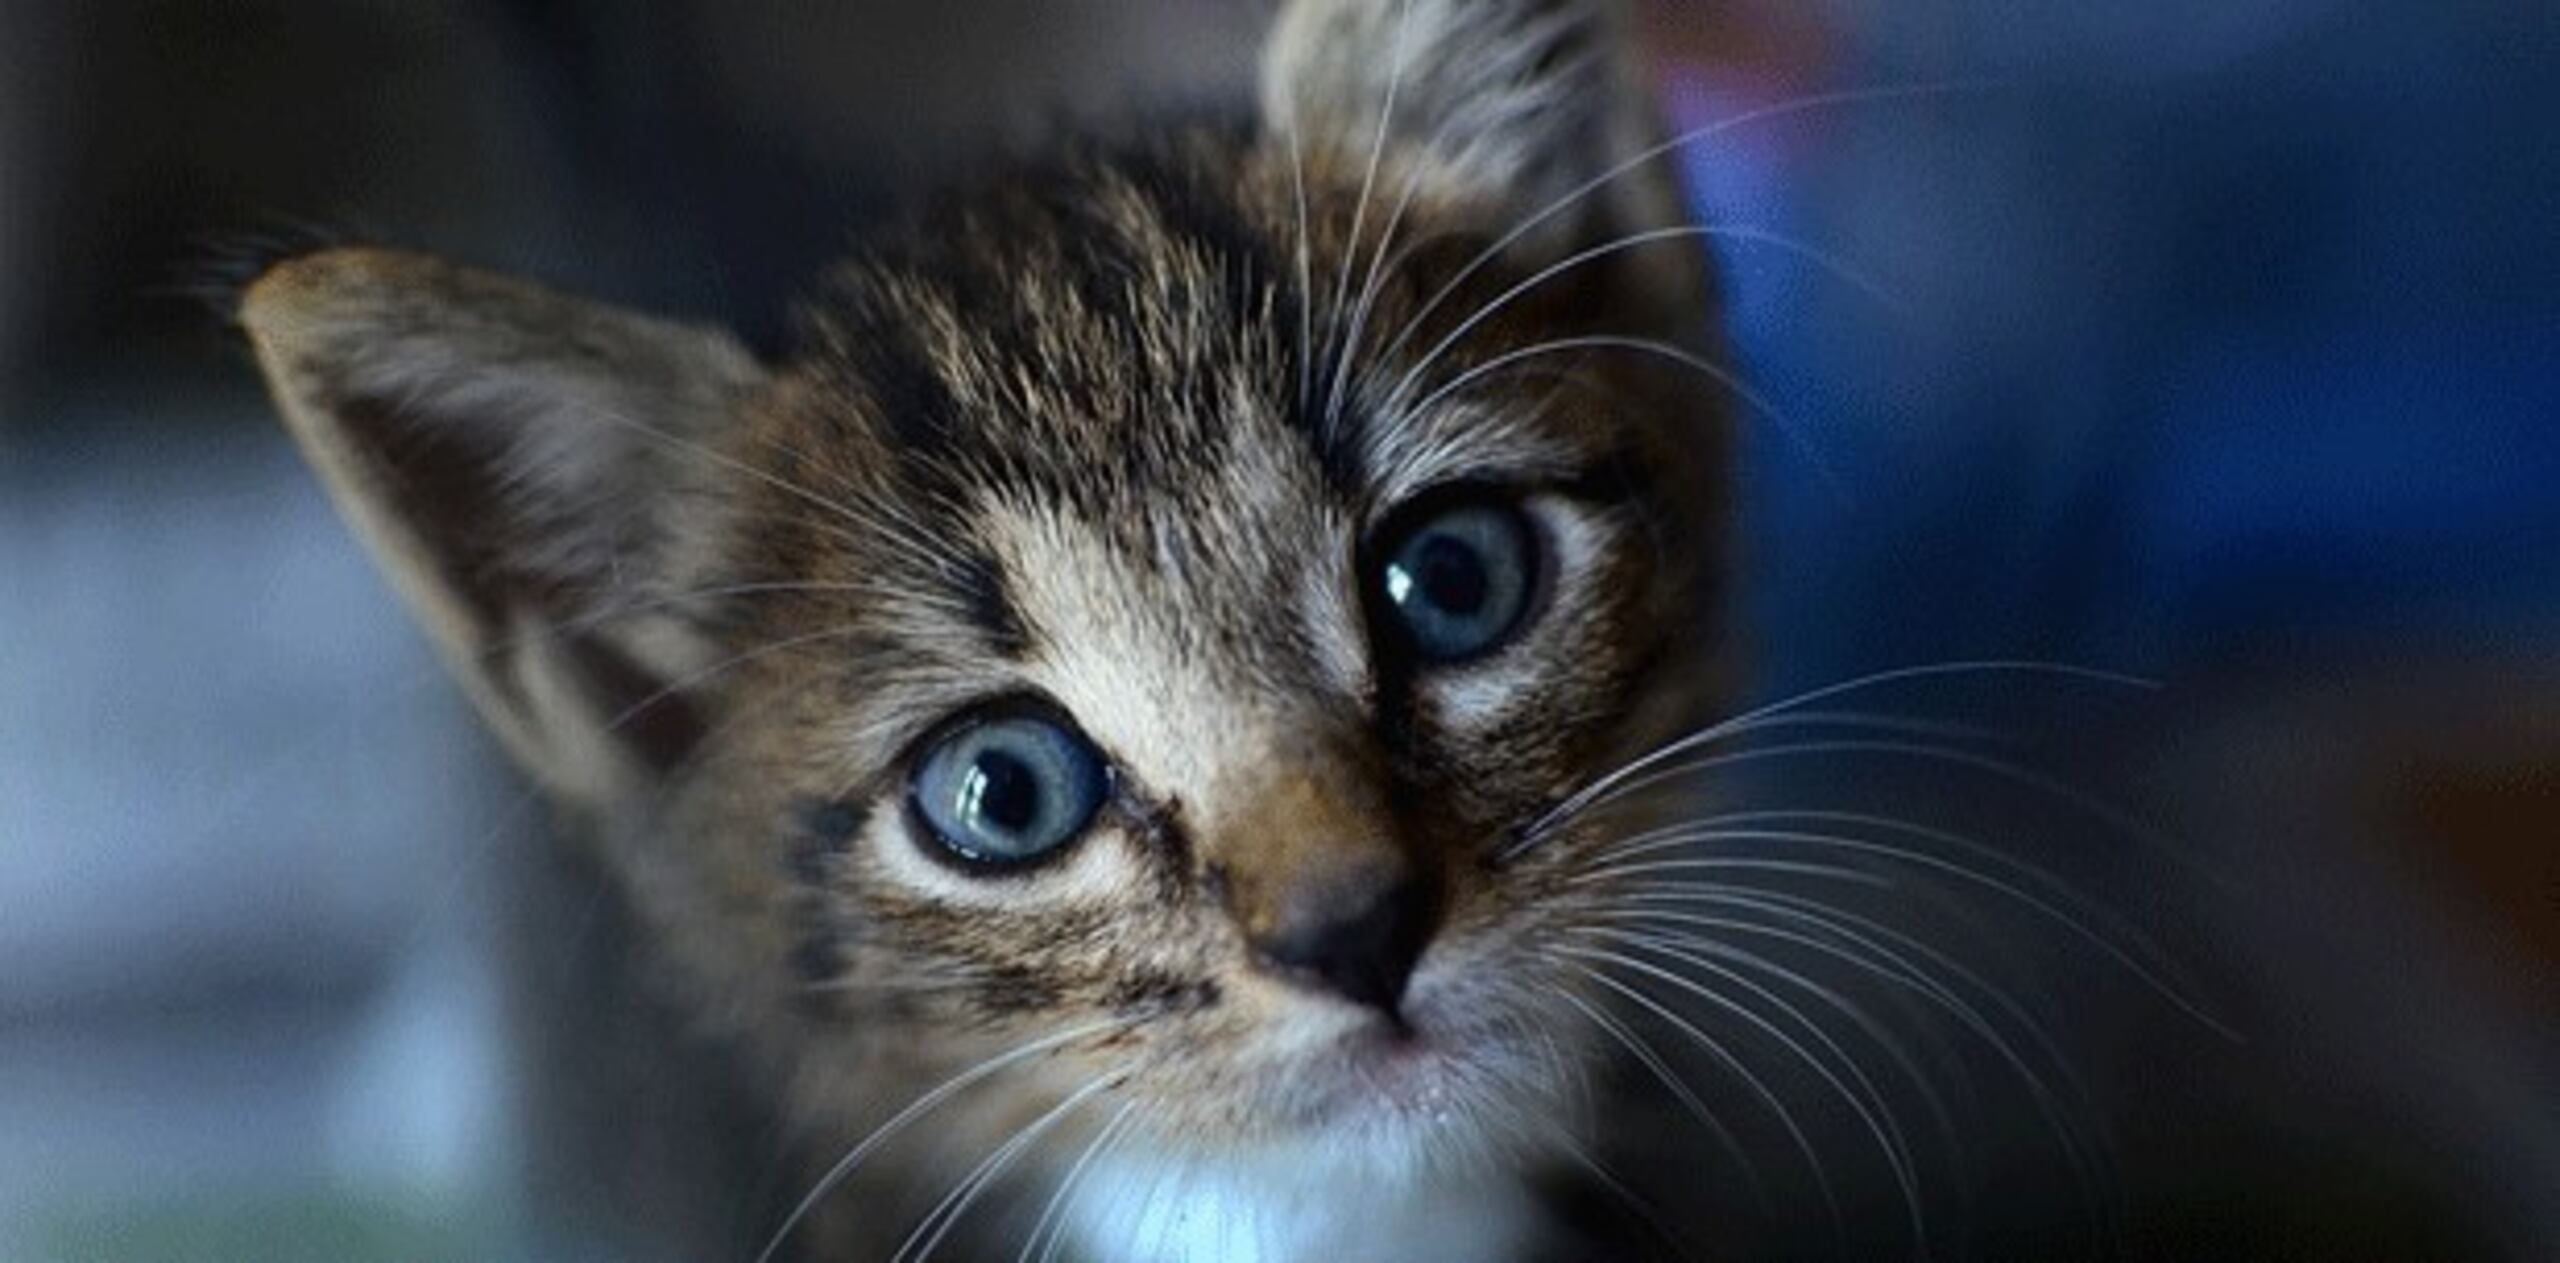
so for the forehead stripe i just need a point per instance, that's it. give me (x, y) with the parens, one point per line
(979, 581)
(1193, 211)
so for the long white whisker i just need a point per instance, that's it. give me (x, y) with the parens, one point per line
(1725, 1057)
(1617, 1188)
(1368, 181)
(1768, 826)
(1306, 280)
(1050, 1228)
(2084, 1150)
(1879, 961)
(2051, 911)
(946, 1213)
(1610, 873)
(2054, 887)
(2121, 946)
(1798, 105)
(1874, 935)
(733, 661)
(1367, 299)
(828, 503)
(1620, 245)
(1858, 1090)
(2046, 908)
(2004, 769)
(619, 610)
(854, 1157)
(1702, 951)
(1680, 1091)
(1718, 373)
(1582, 798)
(1381, 264)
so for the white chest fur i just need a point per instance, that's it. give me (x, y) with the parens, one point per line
(1292, 1209)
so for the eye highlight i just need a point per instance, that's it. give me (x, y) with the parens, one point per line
(1007, 789)
(1456, 583)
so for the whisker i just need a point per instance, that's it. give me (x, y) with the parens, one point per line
(1654, 153)
(1695, 949)
(1620, 245)
(1306, 281)
(2005, 769)
(830, 504)
(732, 662)
(1368, 180)
(1872, 720)
(957, 1202)
(1581, 799)
(1625, 1196)
(1835, 872)
(1871, 958)
(1382, 263)
(1680, 1091)
(2063, 906)
(2053, 885)
(844, 1167)
(2055, 913)
(1858, 1091)
(608, 614)
(1724, 1056)
(1050, 1229)
(1795, 433)
(1367, 299)
(1766, 826)
(1882, 962)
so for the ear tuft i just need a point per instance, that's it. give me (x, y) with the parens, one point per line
(226, 264)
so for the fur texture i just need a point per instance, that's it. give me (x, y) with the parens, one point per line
(1117, 435)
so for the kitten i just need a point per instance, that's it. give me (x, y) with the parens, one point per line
(1113, 727)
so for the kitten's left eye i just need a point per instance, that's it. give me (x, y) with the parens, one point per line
(1458, 581)
(1008, 790)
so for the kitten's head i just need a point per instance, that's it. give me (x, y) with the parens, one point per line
(1149, 611)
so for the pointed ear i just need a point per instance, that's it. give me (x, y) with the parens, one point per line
(1514, 104)
(526, 467)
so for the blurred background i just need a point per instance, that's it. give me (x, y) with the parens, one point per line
(2216, 341)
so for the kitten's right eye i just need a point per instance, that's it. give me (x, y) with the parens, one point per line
(1009, 790)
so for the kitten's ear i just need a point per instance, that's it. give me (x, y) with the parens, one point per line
(1515, 104)
(525, 466)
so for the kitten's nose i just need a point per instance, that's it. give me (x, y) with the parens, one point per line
(1312, 867)
(1357, 937)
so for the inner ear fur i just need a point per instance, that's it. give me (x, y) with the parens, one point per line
(528, 468)
(1509, 103)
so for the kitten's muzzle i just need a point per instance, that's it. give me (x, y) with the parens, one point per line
(1313, 871)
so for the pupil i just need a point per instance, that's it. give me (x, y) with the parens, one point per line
(1002, 791)
(1452, 576)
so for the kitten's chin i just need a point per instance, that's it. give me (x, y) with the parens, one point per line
(1444, 1088)
(1379, 1134)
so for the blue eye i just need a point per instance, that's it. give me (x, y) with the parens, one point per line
(1010, 790)
(1457, 582)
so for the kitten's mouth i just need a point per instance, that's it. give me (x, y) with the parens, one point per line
(1398, 1064)
(1424, 1070)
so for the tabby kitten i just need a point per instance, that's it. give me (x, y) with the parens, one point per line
(1105, 723)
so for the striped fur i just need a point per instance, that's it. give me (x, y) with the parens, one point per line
(1116, 430)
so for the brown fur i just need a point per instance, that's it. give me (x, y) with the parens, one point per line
(1063, 442)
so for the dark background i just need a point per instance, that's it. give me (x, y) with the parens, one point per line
(2216, 341)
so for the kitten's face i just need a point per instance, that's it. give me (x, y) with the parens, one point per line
(1171, 681)
(1144, 621)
